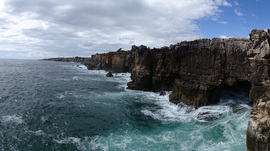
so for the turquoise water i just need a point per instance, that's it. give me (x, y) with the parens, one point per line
(48, 106)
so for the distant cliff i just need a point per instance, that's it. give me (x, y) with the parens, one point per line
(71, 59)
(113, 61)
(196, 70)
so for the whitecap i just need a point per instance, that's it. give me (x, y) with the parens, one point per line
(38, 133)
(60, 96)
(75, 78)
(81, 144)
(95, 144)
(68, 140)
(13, 119)
(44, 119)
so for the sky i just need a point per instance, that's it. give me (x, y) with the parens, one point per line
(35, 29)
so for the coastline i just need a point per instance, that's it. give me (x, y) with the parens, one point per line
(195, 72)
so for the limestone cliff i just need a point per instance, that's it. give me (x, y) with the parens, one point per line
(196, 70)
(114, 61)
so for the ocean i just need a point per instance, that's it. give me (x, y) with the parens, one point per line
(58, 106)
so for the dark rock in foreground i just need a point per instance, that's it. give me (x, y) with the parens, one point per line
(109, 74)
(208, 116)
(162, 93)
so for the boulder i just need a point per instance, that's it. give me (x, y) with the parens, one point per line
(109, 74)
(162, 93)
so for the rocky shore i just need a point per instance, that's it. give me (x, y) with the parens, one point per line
(195, 72)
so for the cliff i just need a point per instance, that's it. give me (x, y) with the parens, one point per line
(114, 61)
(195, 72)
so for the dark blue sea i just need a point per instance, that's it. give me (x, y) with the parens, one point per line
(56, 106)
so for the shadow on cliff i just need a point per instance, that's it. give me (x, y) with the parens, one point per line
(236, 93)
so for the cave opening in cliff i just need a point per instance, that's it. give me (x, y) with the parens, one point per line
(236, 92)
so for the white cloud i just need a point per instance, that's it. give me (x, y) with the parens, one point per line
(223, 22)
(1, 4)
(224, 37)
(238, 12)
(224, 3)
(49, 27)
(236, 3)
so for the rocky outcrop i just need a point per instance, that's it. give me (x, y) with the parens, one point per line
(258, 132)
(109, 74)
(115, 62)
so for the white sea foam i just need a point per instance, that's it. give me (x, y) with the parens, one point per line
(39, 133)
(60, 96)
(18, 119)
(211, 112)
(82, 67)
(84, 144)
(97, 72)
(123, 78)
(75, 78)
(44, 119)
(78, 66)
(167, 111)
(95, 144)
(69, 140)
(72, 140)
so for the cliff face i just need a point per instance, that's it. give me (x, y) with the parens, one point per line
(195, 72)
(114, 61)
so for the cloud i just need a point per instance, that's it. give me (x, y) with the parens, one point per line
(224, 37)
(1, 4)
(238, 12)
(86, 27)
(223, 22)
(236, 3)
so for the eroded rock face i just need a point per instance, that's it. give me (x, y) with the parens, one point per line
(115, 62)
(258, 132)
(194, 70)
